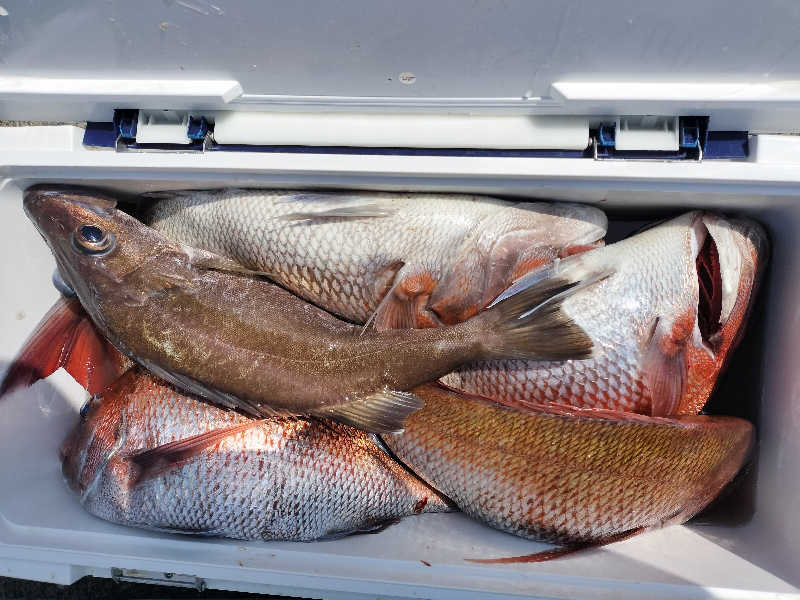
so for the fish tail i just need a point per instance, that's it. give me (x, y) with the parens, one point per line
(65, 337)
(529, 323)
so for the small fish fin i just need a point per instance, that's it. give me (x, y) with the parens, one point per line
(203, 259)
(65, 337)
(392, 313)
(531, 324)
(198, 531)
(337, 208)
(368, 528)
(381, 412)
(561, 551)
(169, 194)
(573, 269)
(162, 459)
(664, 372)
(404, 306)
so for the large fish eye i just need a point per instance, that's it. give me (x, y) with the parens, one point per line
(90, 239)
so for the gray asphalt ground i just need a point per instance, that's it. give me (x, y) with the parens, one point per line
(91, 588)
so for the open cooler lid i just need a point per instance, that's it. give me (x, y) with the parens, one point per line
(738, 64)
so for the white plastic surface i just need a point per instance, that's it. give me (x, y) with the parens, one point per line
(647, 133)
(401, 130)
(739, 63)
(162, 127)
(45, 534)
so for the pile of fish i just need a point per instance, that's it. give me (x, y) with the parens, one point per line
(304, 365)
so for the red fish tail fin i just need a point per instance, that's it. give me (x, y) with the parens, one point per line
(67, 338)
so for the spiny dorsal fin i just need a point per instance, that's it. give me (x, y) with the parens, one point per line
(336, 206)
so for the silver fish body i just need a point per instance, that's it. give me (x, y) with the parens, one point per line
(402, 259)
(664, 321)
(148, 456)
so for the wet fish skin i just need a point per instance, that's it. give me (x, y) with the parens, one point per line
(191, 318)
(406, 259)
(645, 319)
(280, 478)
(565, 475)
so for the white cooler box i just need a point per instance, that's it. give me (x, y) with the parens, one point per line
(643, 111)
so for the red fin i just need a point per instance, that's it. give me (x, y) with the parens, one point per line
(162, 459)
(546, 555)
(664, 366)
(65, 337)
(405, 303)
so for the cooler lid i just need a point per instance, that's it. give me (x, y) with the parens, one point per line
(738, 63)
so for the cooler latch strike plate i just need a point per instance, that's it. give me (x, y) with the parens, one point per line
(155, 578)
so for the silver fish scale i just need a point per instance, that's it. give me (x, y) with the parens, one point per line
(654, 277)
(346, 265)
(283, 479)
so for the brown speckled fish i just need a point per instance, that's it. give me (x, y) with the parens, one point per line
(196, 320)
(401, 259)
(664, 322)
(149, 456)
(568, 476)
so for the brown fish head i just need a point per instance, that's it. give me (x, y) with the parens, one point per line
(729, 263)
(98, 436)
(511, 243)
(100, 250)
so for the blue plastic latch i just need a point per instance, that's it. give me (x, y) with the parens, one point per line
(690, 136)
(125, 123)
(198, 128)
(607, 135)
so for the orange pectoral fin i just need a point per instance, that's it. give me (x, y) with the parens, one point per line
(664, 366)
(405, 305)
(65, 337)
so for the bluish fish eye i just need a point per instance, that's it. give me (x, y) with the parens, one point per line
(91, 233)
(91, 239)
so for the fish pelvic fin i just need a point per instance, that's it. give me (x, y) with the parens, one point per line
(149, 464)
(381, 412)
(66, 337)
(529, 323)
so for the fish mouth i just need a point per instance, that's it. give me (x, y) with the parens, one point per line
(709, 280)
(730, 259)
